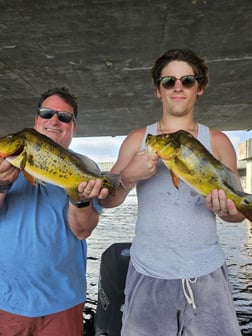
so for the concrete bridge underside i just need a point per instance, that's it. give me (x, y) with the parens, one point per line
(103, 51)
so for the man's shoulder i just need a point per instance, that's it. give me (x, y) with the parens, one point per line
(218, 135)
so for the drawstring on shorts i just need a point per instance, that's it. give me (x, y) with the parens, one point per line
(186, 285)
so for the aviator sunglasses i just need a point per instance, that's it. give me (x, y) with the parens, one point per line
(47, 113)
(187, 81)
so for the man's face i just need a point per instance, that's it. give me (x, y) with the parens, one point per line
(60, 132)
(178, 100)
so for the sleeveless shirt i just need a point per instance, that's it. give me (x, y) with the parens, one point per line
(176, 234)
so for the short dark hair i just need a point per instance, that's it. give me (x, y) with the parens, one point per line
(64, 94)
(186, 55)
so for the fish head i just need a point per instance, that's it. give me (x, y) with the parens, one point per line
(11, 145)
(165, 145)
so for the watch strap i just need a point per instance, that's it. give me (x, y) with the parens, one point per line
(79, 204)
(5, 187)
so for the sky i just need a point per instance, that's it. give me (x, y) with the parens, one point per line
(99, 149)
(105, 149)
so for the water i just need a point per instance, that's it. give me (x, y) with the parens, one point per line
(118, 224)
(236, 240)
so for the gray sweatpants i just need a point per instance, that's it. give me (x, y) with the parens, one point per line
(196, 307)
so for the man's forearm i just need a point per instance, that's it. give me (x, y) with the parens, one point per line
(82, 221)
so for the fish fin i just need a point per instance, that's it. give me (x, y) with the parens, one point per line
(32, 180)
(175, 179)
(23, 162)
(29, 178)
(37, 181)
(248, 215)
(182, 167)
(90, 165)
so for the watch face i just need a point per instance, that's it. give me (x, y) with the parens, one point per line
(83, 204)
(79, 204)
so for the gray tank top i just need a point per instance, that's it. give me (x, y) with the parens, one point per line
(175, 235)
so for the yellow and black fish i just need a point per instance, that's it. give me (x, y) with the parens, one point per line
(42, 160)
(191, 162)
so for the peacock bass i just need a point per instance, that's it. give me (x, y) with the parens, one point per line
(42, 160)
(191, 162)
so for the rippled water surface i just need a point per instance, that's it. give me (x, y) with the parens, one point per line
(117, 225)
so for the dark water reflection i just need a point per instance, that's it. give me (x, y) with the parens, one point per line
(117, 225)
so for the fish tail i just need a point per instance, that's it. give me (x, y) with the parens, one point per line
(111, 181)
(245, 207)
(248, 215)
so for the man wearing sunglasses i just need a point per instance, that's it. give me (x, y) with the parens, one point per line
(177, 279)
(42, 238)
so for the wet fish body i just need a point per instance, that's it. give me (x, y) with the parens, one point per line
(44, 161)
(188, 160)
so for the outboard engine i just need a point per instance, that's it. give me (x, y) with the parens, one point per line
(113, 271)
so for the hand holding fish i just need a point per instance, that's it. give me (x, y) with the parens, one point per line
(222, 206)
(92, 189)
(80, 224)
(8, 173)
(141, 167)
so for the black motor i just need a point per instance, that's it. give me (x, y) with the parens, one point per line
(113, 270)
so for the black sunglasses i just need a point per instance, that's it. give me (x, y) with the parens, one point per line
(47, 113)
(187, 81)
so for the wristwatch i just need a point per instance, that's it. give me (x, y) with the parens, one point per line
(4, 188)
(79, 204)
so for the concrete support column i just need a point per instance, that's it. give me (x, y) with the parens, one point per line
(245, 153)
(249, 176)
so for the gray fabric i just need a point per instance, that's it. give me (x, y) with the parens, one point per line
(175, 231)
(159, 307)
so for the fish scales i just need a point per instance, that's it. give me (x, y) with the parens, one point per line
(188, 160)
(42, 160)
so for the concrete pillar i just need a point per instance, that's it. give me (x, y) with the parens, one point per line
(245, 153)
(249, 177)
